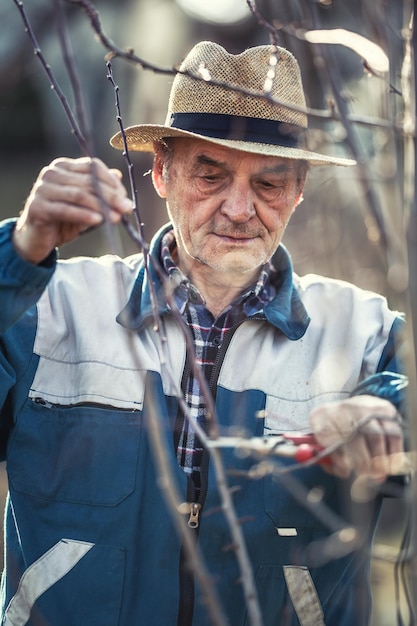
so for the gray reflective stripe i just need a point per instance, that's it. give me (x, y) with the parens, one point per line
(303, 595)
(41, 575)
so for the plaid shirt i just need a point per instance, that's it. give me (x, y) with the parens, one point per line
(208, 334)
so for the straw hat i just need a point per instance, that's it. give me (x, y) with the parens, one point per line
(243, 121)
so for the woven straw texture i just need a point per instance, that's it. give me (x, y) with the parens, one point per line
(262, 69)
(248, 70)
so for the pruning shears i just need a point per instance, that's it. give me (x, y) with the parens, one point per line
(300, 447)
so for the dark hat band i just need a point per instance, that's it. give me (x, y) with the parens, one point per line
(239, 128)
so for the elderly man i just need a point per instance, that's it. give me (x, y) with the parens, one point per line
(89, 536)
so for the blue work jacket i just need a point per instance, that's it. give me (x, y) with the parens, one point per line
(84, 381)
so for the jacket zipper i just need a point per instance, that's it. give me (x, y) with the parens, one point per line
(194, 506)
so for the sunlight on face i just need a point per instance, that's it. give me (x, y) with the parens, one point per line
(229, 208)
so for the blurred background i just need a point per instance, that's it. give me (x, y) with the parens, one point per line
(334, 231)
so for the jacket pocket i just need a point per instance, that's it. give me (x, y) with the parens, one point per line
(73, 584)
(79, 454)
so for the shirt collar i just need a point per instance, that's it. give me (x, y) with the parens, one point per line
(184, 290)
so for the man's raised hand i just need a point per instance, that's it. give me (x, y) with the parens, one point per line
(69, 197)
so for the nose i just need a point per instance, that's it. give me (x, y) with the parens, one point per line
(239, 205)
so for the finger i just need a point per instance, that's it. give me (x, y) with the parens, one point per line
(394, 434)
(356, 456)
(117, 173)
(87, 165)
(363, 444)
(59, 211)
(366, 454)
(332, 431)
(355, 449)
(341, 464)
(104, 199)
(86, 173)
(401, 464)
(383, 437)
(82, 189)
(377, 463)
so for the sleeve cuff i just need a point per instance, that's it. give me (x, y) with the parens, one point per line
(16, 269)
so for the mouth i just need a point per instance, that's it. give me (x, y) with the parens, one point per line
(236, 238)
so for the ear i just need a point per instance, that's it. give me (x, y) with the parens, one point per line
(158, 178)
(300, 189)
(299, 198)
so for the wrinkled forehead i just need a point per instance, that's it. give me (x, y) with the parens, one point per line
(197, 151)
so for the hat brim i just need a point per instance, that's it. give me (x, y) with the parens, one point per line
(142, 137)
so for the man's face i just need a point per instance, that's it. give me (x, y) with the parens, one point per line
(229, 208)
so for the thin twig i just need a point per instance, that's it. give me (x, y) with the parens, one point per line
(156, 266)
(80, 131)
(129, 55)
(364, 175)
(242, 556)
(299, 33)
(172, 499)
(70, 64)
(206, 583)
(273, 33)
(75, 129)
(227, 503)
(138, 236)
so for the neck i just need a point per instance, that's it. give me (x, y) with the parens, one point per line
(219, 289)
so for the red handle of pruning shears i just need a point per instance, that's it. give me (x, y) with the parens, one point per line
(307, 448)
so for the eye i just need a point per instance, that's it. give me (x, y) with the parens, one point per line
(268, 186)
(211, 178)
(277, 184)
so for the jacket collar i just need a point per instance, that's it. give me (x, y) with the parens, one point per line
(286, 311)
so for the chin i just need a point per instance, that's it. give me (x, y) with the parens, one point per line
(236, 265)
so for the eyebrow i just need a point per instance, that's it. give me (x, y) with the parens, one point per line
(281, 168)
(203, 159)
